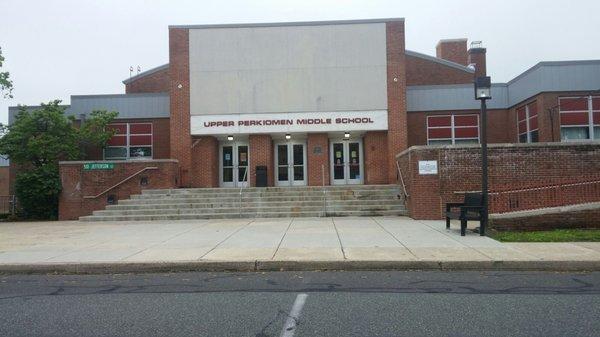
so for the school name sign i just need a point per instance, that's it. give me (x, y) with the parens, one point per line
(289, 122)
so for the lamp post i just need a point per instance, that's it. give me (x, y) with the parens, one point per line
(483, 92)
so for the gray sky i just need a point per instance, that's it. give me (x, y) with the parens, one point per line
(55, 49)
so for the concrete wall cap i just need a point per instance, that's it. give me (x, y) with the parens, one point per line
(591, 144)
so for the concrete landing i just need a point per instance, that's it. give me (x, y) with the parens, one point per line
(272, 244)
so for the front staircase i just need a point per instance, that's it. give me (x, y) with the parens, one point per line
(256, 202)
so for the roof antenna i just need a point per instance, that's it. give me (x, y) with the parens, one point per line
(130, 71)
(139, 69)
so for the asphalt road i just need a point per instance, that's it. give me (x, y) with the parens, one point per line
(302, 304)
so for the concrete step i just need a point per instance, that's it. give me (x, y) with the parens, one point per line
(282, 194)
(236, 203)
(264, 199)
(238, 215)
(224, 203)
(268, 189)
(251, 210)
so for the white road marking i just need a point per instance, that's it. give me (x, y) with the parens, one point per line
(290, 324)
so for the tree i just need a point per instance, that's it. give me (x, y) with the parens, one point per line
(37, 141)
(6, 84)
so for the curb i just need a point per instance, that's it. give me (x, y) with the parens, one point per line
(258, 266)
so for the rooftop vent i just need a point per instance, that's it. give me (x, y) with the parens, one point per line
(476, 44)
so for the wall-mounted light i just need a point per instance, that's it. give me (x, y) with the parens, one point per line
(230, 138)
(347, 135)
(288, 136)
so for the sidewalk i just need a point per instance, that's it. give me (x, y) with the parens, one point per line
(273, 244)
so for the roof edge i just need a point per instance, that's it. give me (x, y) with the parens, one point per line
(291, 23)
(137, 94)
(146, 73)
(552, 63)
(440, 61)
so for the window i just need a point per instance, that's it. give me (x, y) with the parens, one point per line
(130, 141)
(527, 123)
(452, 129)
(579, 118)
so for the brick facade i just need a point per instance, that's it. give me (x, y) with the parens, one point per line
(205, 162)
(179, 76)
(317, 154)
(397, 137)
(78, 183)
(421, 71)
(453, 51)
(499, 128)
(160, 139)
(477, 57)
(510, 166)
(261, 154)
(155, 82)
(375, 157)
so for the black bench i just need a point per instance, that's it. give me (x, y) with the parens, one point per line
(471, 209)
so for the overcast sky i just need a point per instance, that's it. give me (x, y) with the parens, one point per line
(55, 49)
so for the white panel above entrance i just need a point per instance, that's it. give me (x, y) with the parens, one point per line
(229, 124)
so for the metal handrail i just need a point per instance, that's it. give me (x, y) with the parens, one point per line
(324, 191)
(121, 182)
(402, 181)
(241, 188)
(546, 187)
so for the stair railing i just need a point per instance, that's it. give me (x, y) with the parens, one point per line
(244, 183)
(402, 181)
(324, 191)
(121, 182)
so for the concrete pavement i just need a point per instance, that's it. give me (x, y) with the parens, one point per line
(273, 244)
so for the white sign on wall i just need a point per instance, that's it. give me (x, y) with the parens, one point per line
(228, 124)
(428, 167)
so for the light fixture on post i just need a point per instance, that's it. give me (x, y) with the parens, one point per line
(230, 138)
(483, 92)
(346, 135)
(288, 136)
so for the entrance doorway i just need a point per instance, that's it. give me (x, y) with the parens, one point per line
(234, 164)
(290, 164)
(346, 162)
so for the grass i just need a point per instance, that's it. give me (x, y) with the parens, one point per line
(557, 235)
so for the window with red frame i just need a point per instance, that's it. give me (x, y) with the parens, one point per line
(452, 129)
(527, 122)
(130, 141)
(579, 118)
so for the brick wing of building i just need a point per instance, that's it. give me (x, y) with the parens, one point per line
(323, 103)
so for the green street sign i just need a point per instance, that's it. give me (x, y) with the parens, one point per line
(98, 166)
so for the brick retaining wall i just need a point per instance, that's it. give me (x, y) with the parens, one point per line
(78, 183)
(511, 166)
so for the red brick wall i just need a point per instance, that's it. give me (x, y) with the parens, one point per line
(77, 183)
(160, 138)
(179, 75)
(453, 50)
(376, 153)
(477, 56)
(397, 138)
(587, 217)
(425, 72)
(510, 167)
(4, 180)
(205, 162)
(318, 159)
(261, 153)
(499, 127)
(155, 82)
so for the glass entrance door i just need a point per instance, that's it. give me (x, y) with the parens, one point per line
(290, 167)
(346, 162)
(234, 165)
